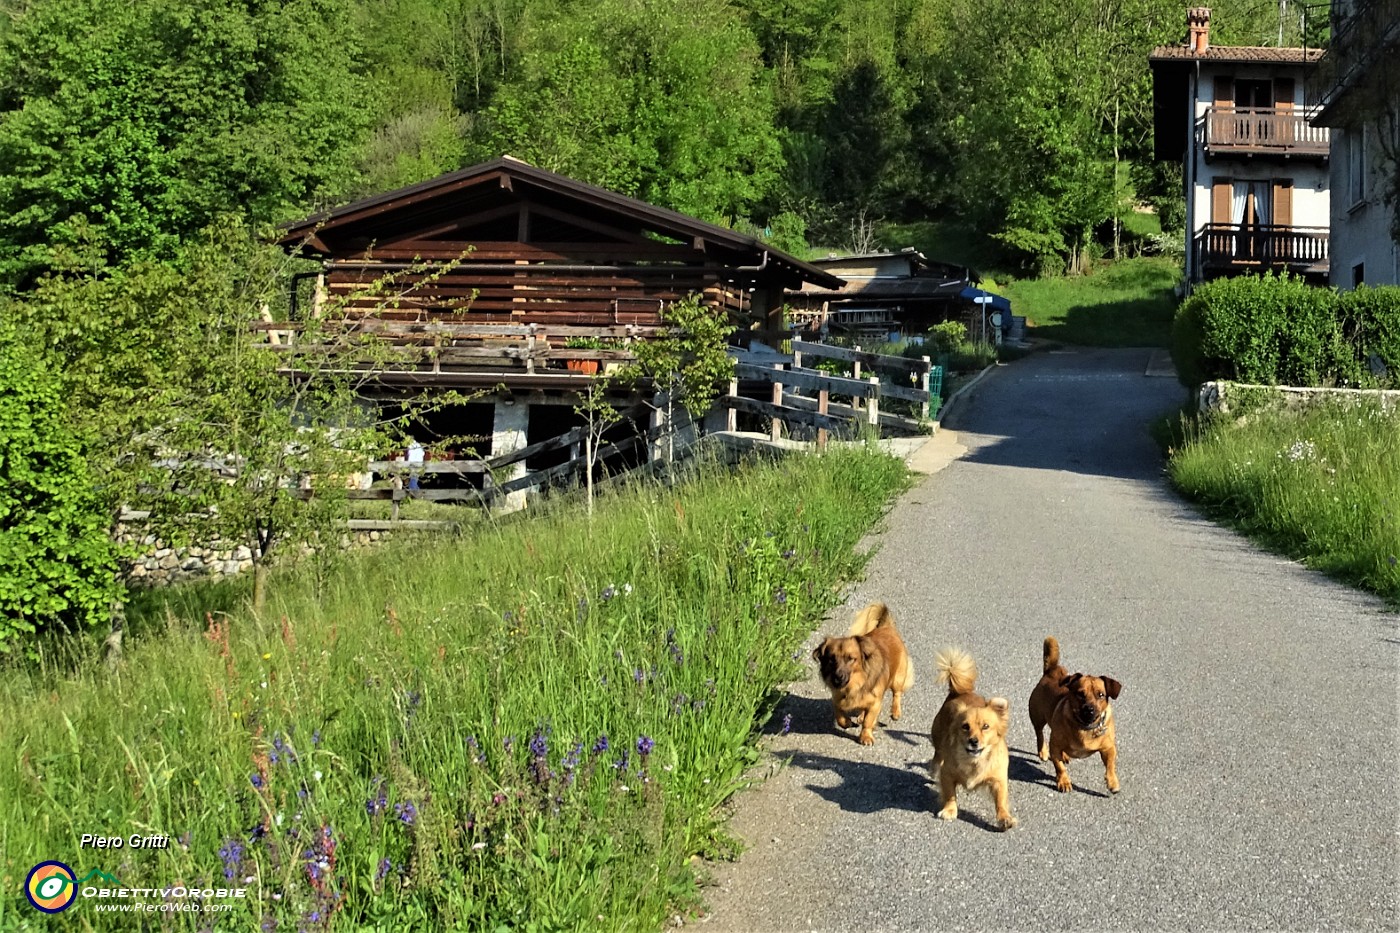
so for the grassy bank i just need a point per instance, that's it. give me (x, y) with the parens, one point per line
(1322, 485)
(529, 729)
(1127, 304)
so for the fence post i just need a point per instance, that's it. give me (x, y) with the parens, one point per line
(856, 402)
(796, 359)
(923, 384)
(823, 397)
(731, 415)
(530, 349)
(398, 494)
(776, 430)
(872, 408)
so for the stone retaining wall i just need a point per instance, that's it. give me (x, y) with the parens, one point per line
(1225, 396)
(162, 564)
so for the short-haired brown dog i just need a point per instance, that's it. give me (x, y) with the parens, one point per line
(969, 739)
(1080, 715)
(862, 667)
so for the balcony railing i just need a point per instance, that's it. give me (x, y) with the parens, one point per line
(1263, 130)
(1224, 247)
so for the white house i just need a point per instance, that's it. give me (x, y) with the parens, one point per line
(1256, 170)
(1359, 88)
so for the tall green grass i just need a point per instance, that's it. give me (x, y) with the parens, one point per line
(1321, 484)
(532, 728)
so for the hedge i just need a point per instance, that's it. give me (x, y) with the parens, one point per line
(1278, 330)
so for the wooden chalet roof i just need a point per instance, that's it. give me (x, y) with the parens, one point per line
(508, 201)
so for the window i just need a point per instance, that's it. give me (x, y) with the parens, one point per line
(1356, 166)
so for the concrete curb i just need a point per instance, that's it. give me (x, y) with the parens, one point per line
(946, 411)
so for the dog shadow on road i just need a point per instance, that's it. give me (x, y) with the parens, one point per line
(866, 786)
(813, 716)
(1027, 768)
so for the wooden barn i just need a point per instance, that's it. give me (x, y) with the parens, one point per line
(521, 283)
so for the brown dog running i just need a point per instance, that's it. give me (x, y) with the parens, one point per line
(1080, 716)
(969, 740)
(862, 667)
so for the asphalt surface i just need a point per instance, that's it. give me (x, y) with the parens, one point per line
(1257, 729)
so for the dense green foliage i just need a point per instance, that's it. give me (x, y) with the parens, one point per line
(1278, 330)
(1320, 484)
(532, 728)
(57, 561)
(125, 128)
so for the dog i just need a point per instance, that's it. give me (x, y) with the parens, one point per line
(862, 667)
(1079, 711)
(969, 739)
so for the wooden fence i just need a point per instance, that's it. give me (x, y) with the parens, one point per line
(802, 396)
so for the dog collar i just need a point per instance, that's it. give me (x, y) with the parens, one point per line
(1100, 727)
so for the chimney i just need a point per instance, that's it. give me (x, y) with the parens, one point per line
(1198, 29)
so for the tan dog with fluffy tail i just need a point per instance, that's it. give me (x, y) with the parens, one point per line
(969, 740)
(862, 667)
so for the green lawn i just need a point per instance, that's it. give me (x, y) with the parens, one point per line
(1127, 304)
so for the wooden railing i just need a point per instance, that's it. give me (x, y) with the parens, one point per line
(1263, 130)
(804, 397)
(1234, 245)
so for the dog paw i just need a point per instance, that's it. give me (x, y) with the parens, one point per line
(949, 812)
(1063, 785)
(1044, 753)
(1113, 788)
(867, 738)
(843, 722)
(1006, 822)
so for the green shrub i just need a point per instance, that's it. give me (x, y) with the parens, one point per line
(57, 560)
(1278, 330)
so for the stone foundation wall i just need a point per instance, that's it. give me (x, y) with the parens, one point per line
(162, 565)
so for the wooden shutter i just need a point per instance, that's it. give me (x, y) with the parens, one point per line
(1220, 200)
(1224, 91)
(1285, 243)
(1283, 202)
(1283, 93)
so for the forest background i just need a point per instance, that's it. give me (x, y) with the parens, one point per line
(127, 128)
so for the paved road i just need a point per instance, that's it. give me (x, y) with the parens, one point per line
(1257, 726)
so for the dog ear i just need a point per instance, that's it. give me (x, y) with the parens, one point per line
(1069, 682)
(817, 652)
(999, 706)
(1111, 687)
(867, 647)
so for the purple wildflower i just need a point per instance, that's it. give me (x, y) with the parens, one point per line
(621, 763)
(497, 799)
(269, 924)
(639, 675)
(601, 745)
(571, 760)
(781, 596)
(406, 812)
(272, 758)
(539, 744)
(384, 866)
(232, 855)
(378, 803)
(304, 791)
(316, 738)
(477, 754)
(787, 723)
(257, 780)
(645, 745)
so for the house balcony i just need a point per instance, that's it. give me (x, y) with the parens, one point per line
(1227, 248)
(1248, 132)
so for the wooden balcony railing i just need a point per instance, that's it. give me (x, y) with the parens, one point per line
(1263, 130)
(1232, 246)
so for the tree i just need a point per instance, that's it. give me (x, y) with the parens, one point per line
(58, 568)
(144, 121)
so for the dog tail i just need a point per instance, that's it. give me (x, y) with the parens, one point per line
(873, 616)
(1052, 653)
(956, 669)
